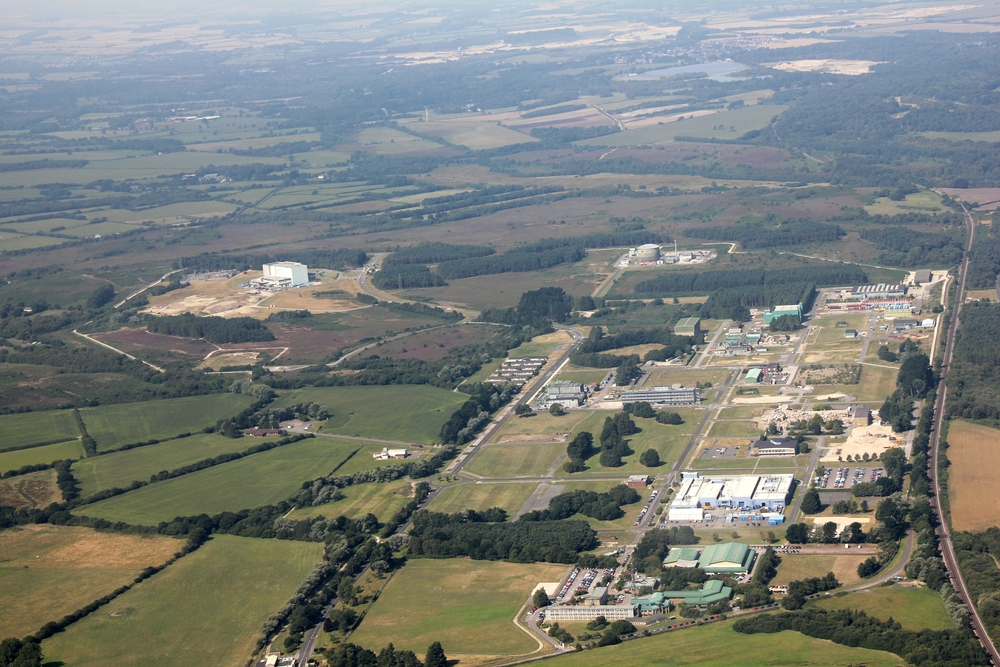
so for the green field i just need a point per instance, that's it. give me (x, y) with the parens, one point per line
(668, 441)
(483, 497)
(924, 201)
(256, 480)
(703, 127)
(121, 468)
(717, 645)
(205, 609)
(914, 608)
(47, 454)
(112, 426)
(49, 571)
(33, 427)
(408, 413)
(382, 500)
(362, 459)
(734, 429)
(530, 460)
(466, 605)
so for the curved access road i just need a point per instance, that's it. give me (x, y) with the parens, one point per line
(943, 530)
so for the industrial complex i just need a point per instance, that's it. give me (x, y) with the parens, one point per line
(729, 493)
(283, 274)
(676, 394)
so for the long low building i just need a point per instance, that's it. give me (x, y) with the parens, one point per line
(881, 290)
(746, 492)
(673, 395)
(568, 612)
(711, 591)
(728, 558)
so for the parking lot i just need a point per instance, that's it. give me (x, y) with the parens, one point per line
(845, 477)
(721, 452)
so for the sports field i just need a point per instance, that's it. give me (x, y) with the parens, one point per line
(472, 496)
(914, 608)
(49, 571)
(47, 454)
(112, 426)
(32, 427)
(466, 605)
(122, 468)
(382, 500)
(717, 645)
(974, 452)
(520, 460)
(205, 609)
(409, 413)
(256, 480)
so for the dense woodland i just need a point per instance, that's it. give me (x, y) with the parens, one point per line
(975, 368)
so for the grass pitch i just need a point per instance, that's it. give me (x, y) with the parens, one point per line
(915, 608)
(205, 609)
(33, 427)
(527, 460)
(256, 480)
(483, 496)
(112, 426)
(48, 571)
(974, 452)
(466, 605)
(47, 454)
(409, 413)
(717, 645)
(122, 468)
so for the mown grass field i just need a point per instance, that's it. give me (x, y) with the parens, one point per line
(362, 460)
(734, 429)
(47, 454)
(205, 609)
(112, 426)
(717, 645)
(122, 468)
(974, 452)
(914, 608)
(466, 605)
(409, 413)
(382, 500)
(256, 480)
(48, 571)
(521, 460)
(32, 427)
(472, 496)
(668, 441)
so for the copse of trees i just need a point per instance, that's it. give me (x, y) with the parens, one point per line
(536, 309)
(434, 253)
(975, 369)
(474, 414)
(770, 232)
(405, 276)
(601, 506)
(905, 247)
(212, 329)
(589, 352)
(101, 296)
(705, 282)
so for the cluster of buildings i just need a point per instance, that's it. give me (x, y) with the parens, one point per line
(676, 394)
(766, 374)
(595, 603)
(884, 296)
(729, 492)
(387, 454)
(283, 274)
(518, 369)
(728, 558)
(564, 393)
(652, 254)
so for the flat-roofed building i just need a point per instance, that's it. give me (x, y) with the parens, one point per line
(566, 394)
(775, 447)
(295, 273)
(880, 291)
(579, 612)
(673, 395)
(794, 310)
(741, 492)
(637, 481)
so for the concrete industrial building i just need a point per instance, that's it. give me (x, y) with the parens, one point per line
(880, 291)
(735, 492)
(779, 311)
(292, 273)
(566, 394)
(672, 395)
(566, 612)
(649, 252)
(688, 326)
(775, 447)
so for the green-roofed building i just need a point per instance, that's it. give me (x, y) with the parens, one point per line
(681, 558)
(711, 592)
(728, 558)
(688, 326)
(794, 310)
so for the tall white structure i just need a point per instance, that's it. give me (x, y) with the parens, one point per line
(296, 274)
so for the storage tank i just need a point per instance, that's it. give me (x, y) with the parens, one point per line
(649, 252)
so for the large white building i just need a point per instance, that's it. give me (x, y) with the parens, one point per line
(289, 273)
(566, 612)
(733, 492)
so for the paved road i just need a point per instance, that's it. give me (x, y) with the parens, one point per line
(896, 571)
(943, 531)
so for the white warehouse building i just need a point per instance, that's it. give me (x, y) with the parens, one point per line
(733, 492)
(279, 272)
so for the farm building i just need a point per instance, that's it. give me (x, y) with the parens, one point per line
(689, 326)
(775, 447)
(673, 395)
(744, 492)
(566, 394)
(387, 454)
(679, 557)
(262, 432)
(753, 376)
(851, 333)
(860, 415)
(779, 311)
(612, 612)
(290, 273)
(637, 481)
(727, 558)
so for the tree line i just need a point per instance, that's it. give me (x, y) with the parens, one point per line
(213, 329)
(754, 234)
(704, 282)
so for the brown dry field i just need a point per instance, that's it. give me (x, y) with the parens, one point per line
(50, 571)
(434, 345)
(974, 452)
(304, 299)
(800, 566)
(36, 489)
(137, 340)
